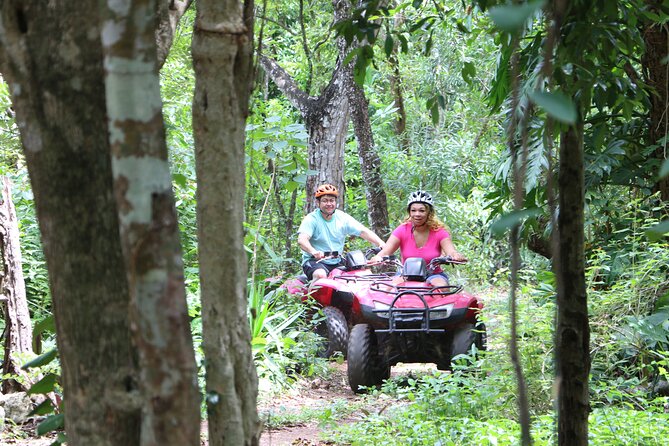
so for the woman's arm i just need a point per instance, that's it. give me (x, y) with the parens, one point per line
(448, 249)
(391, 246)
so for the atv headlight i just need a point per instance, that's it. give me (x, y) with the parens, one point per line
(441, 312)
(381, 306)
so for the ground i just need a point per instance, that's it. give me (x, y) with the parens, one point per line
(302, 414)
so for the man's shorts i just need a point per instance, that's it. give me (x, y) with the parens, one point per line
(312, 265)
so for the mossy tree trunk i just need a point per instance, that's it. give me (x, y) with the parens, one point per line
(223, 62)
(59, 97)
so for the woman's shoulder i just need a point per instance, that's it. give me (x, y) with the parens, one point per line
(402, 229)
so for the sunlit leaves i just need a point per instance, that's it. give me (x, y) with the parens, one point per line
(512, 18)
(658, 231)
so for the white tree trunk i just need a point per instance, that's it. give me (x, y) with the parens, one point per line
(149, 229)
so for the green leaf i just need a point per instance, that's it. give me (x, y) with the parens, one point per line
(658, 231)
(506, 222)
(388, 45)
(511, 18)
(41, 360)
(556, 104)
(180, 179)
(51, 424)
(44, 385)
(46, 324)
(664, 170)
(44, 408)
(468, 72)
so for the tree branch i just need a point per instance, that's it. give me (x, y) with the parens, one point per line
(287, 85)
(169, 13)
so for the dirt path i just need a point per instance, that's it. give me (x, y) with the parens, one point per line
(331, 395)
(308, 396)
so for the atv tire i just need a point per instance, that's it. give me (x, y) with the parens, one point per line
(366, 368)
(334, 330)
(466, 336)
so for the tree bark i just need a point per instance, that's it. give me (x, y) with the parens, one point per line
(572, 332)
(223, 62)
(326, 120)
(18, 329)
(656, 38)
(149, 228)
(169, 14)
(58, 94)
(370, 163)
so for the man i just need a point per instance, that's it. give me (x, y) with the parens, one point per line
(325, 230)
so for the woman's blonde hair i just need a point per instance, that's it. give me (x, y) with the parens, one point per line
(433, 221)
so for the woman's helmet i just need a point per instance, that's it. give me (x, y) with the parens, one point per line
(420, 197)
(326, 189)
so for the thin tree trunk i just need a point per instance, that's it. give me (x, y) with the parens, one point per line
(572, 333)
(169, 13)
(58, 94)
(149, 228)
(656, 38)
(370, 163)
(223, 62)
(18, 330)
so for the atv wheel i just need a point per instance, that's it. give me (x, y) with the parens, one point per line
(334, 329)
(365, 366)
(466, 336)
(481, 338)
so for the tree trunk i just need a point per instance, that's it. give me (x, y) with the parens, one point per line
(18, 330)
(58, 94)
(326, 120)
(572, 332)
(149, 228)
(223, 62)
(655, 68)
(169, 14)
(370, 163)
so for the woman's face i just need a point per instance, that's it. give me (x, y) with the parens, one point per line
(418, 213)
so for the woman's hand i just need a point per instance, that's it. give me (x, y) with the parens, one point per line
(457, 256)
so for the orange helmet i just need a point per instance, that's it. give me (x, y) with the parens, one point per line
(326, 189)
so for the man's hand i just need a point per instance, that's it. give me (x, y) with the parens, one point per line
(318, 255)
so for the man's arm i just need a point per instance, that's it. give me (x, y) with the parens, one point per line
(304, 241)
(371, 237)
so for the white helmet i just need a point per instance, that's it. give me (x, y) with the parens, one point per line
(420, 197)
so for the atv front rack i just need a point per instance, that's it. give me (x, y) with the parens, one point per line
(387, 288)
(364, 277)
(408, 316)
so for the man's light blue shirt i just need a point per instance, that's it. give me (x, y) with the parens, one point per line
(328, 235)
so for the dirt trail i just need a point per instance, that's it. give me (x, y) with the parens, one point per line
(320, 394)
(316, 394)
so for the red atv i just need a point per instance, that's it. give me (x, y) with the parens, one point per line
(337, 295)
(405, 319)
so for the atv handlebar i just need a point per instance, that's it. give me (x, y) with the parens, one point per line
(444, 260)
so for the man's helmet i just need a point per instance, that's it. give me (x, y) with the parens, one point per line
(420, 197)
(326, 189)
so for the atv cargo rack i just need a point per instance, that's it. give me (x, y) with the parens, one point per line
(411, 316)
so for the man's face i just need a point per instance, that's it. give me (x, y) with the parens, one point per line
(327, 204)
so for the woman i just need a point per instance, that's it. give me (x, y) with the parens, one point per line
(422, 235)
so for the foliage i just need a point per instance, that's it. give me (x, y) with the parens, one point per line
(284, 344)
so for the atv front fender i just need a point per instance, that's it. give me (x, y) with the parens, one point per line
(323, 289)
